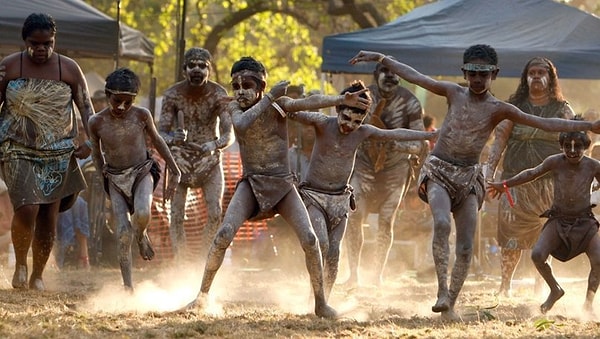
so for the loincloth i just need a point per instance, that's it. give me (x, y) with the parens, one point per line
(458, 181)
(195, 166)
(268, 191)
(519, 226)
(575, 232)
(333, 205)
(125, 181)
(36, 177)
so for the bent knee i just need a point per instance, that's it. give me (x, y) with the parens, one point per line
(141, 217)
(309, 240)
(538, 257)
(224, 236)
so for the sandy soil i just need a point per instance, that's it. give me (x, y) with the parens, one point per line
(248, 302)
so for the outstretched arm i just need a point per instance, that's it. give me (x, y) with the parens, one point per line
(548, 124)
(308, 118)
(405, 72)
(402, 134)
(315, 102)
(496, 188)
(242, 120)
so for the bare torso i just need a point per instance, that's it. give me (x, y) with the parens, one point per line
(333, 156)
(466, 128)
(123, 140)
(202, 111)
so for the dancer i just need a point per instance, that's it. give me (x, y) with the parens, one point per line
(325, 189)
(539, 94)
(451, 179)
(196, 126)
(383, 171)
(571, 228)
(118, 134)
(267, 186)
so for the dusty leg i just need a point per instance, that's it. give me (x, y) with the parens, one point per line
(125, 235)
(354, 242)
(140, 219)
(593, 253)
(394, 190)
(546, 242)
(332, 259)
(385, 238)
(213, 197)
(510, 260)
(240, 208)
(319, 225)
(439, 203)
(176, 229)
(466, 222)
(22, 233)
(293, 211)
(43, 240)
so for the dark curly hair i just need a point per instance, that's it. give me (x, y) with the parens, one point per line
(483, 52)
(123, 79)
(38, 21)
(583, 136)
(355, 86)
(250, 64)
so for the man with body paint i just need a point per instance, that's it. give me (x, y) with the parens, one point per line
(267, 185)
(524, 147)
(196, 126)
(451, 179)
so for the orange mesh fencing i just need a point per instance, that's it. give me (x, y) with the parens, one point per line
(196, 214)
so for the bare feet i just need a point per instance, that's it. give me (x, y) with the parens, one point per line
(450, 316)
(37, 284)
(349, 284)
(19, 279)
(146, 250)
(326, 311)
(200, 302)
(552, 298)
(442, 305)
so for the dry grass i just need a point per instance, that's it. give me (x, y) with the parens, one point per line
(270, 303)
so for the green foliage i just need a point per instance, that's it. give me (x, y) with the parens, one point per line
(289, 47)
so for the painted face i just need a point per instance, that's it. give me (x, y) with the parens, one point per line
(245, 91)
(119, 104)
(479, 81)
(386, 80)
(349, 120)
(40, 45)
(574, 150)
(197, 71)
(537, 75)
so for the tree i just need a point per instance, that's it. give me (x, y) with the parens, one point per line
(286, 35)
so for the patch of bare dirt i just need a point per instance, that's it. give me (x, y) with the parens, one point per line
(268, 303)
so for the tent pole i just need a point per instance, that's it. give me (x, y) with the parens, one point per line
(118, 34)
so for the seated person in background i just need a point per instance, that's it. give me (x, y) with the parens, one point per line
(73, 231)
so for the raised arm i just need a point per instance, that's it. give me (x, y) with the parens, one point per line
(308, 118)
(315, 102)
(242, 120)
(405, 72)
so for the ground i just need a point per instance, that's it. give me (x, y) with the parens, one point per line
(267, 303)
